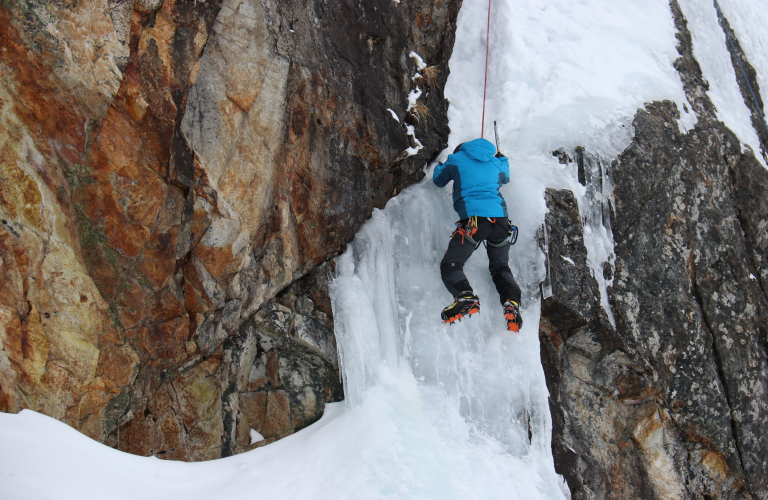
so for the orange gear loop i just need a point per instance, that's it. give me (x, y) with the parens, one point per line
(468, 231)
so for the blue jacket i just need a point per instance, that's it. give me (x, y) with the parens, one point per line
(477, 176)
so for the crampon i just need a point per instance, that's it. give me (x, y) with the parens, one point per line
(512, 314)
(464, 305)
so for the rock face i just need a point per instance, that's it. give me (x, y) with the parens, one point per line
(168, 169)
(273, 375)
(671, 402)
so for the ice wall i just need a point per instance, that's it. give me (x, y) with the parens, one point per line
(479, 388)
(561, 75)
(434, 411)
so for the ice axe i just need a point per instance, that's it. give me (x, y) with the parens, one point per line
(512, 227)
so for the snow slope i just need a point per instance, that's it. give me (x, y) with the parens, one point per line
(711, 49)
(434, 411)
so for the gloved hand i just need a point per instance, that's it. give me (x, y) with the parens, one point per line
(499, 155)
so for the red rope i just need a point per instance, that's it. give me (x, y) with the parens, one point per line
(485, 84)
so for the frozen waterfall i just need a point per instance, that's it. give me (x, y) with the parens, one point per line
(436, 411)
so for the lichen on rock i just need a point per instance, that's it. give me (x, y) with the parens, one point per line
(670, 402)
(174, 178)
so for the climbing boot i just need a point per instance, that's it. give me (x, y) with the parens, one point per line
(465, 304)
(512, 313)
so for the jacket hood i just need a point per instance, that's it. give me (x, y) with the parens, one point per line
(479, 149)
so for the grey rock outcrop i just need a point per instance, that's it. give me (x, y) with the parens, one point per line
(599, 395)
(671, 402)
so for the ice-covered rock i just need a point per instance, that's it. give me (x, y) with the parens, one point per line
(669, 404)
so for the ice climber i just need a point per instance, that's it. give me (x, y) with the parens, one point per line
(478, 171)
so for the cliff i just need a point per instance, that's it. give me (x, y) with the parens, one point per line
(175, 174)
(668, 400)
(178, 176)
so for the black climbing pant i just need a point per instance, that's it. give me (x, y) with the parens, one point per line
(495, 232)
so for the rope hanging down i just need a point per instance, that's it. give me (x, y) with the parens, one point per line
(485, 84)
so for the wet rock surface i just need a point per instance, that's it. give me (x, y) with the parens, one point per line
(671, 402)
(168, 170)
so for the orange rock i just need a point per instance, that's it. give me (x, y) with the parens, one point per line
(171, 213)
(34, 348)
(213, 363)
(181, 454)
(136, 230)
(11, 282)
(165, 306)
(243, 433)
(137, 436)
(96, 394)
(120, 364)
(201, 221)
(131, 303)
(165, 340)
(125, 237)
(19, 194)
(253, 412)
(168, 433)
(10, 335)
(92, 426)
(158, 260)
(273, 369)
(193, 302)
(716, 465)
(161, 402)
(57, 390)
(203, 445)
(218, 261)
(278, 416)
(198, 398)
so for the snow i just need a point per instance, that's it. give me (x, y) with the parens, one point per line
(711, 49)
(437, 411)
(568, 259)
(749, 23)
(410, 131)
(394, 115)
(420, 64)
(472, 383)
(256, 437)
(563, 73)
(413, 96)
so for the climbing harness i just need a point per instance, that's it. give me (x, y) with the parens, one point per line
(470, 228)
(511, 240)
(736, 55)
(512, 233)
(485, 84)
(503, 243)
(468, 231)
